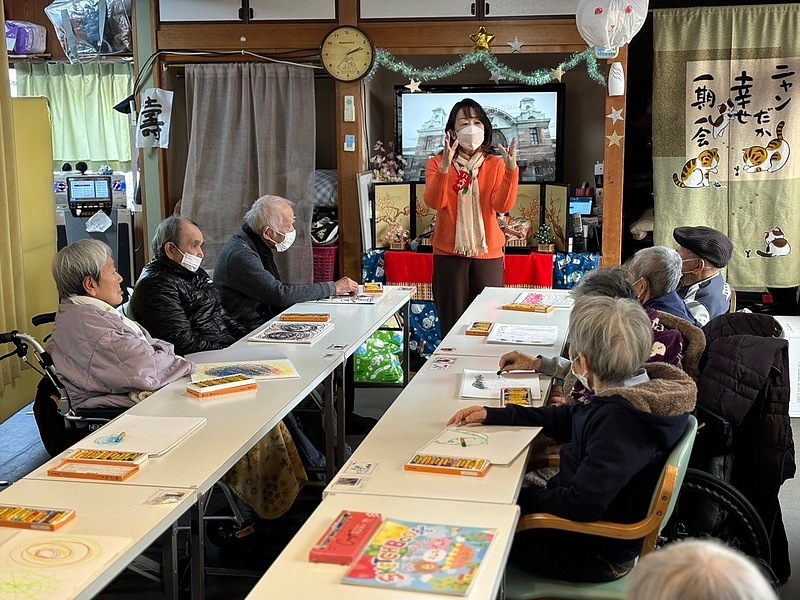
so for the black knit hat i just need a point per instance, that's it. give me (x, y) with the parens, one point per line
(707, 243)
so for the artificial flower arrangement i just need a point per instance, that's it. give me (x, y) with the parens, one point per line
(516, 229)
(396, 235)
(386, 164)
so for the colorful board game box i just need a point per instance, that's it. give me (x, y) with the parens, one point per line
(345, 538)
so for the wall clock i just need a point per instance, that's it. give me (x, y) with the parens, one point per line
(347, 53)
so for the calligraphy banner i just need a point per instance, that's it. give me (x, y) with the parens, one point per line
(725, 123)
(155, 116)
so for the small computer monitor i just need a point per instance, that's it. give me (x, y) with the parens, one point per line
(580, 205)
(89, 193)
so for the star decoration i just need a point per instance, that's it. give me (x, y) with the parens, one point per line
(516, 45)
(557, 73)
(496, 76)
(413, 85)
(614, 139)
(616, 115)
(481, 39)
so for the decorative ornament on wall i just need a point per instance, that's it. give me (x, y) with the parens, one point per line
(516, 45)
(413, 85)
(614, 139)
(492, 65)
(481, 40)
(615, 115)
(558, 73)
(610, 24)
(496, 76)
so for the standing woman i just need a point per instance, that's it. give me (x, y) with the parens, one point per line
(468, 186)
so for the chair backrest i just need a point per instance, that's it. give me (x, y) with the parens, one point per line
(669, 485)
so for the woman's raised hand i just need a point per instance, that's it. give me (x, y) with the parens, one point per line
(450, 147)
(510, 155)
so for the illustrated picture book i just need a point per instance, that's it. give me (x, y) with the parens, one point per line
(288, 332)
(531, 335)
(442, 559)
(279, 368)
(554, 298)
(487, 384)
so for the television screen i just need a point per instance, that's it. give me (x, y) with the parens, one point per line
(532, 115)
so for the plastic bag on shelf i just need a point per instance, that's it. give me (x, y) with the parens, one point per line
(25, 38)
(90, 28)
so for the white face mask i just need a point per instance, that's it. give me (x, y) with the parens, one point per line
(471, 137)
(581, 378)
(288, 240)
(189, 261)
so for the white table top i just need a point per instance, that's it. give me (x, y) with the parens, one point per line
(416, 417)
(103, 510)
(293, 576)
(234, 424)
(487, 307)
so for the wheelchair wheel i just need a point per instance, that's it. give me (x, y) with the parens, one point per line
(710, 507)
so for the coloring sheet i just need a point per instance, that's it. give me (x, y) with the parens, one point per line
(41, 565)
(499, 444)
(487, 384)
(533, 335)
(554, 298)
(258, 369)
(291, 332)
(137, 433)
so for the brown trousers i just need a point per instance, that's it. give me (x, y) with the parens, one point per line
(457, 281)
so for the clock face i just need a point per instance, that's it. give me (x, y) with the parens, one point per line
(347, 53)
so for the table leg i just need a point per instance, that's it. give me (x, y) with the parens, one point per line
(341, 394)
(169, 551)
(406, 340)
(197, 540)
(331, 435)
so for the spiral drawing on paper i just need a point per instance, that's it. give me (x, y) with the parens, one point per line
(58, 552)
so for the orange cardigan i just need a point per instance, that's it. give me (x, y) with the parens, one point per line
(498, 187)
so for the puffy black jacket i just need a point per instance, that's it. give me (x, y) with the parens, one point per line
(182, 307)
(744, 379)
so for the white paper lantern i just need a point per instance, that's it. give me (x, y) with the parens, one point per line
(610, 24)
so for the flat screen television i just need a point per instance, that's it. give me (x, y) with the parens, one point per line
(532, 115)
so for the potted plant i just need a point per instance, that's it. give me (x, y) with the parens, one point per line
(545, 238)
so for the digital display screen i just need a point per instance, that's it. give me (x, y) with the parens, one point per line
(581, 206)
(89, 189)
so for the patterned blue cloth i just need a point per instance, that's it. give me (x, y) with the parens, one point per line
(570, 267)
(372, 266)
(423, 328)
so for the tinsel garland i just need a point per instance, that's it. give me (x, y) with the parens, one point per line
(488, 60)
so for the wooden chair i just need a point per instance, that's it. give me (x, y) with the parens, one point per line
(521, 585)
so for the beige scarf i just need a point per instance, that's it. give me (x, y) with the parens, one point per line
(470, 234)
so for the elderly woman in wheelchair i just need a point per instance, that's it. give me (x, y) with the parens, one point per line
(104, 359)
(616, 441)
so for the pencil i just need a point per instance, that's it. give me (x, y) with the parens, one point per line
(463, 443)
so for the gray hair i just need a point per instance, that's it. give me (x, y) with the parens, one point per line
(697, 570)
(266, 212)
(72, 264)
(615, 334)
(611, 282)
(661, 266)
(169, 230)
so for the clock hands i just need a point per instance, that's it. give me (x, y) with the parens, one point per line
(354, 50)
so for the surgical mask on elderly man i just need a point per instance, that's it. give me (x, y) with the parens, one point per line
(581, 377)
(288, 240)
(471, 137)
(189, 261)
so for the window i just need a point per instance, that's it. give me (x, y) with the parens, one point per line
(534, 136)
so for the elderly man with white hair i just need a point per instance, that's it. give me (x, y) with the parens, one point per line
(615, 441)
(655, 274)
(246, 273)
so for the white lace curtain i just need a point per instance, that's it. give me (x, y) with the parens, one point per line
(251, 132)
